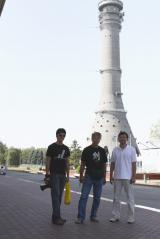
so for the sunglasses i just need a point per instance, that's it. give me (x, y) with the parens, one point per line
(62, 135)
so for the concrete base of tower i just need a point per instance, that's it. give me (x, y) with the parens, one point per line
(109, 124)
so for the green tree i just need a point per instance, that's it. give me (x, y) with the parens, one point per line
(75, 154)
(38, 156)
(33, 156)
(13, 157)
(27, 155)
(3, 153)
(42, 155)
(155, 131)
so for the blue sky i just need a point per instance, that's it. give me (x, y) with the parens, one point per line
(49, 62)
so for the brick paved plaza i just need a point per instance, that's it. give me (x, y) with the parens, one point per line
(25, 213)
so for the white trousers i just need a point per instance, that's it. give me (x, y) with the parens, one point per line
(119, 184)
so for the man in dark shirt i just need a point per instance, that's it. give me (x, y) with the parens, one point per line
(57, 167)
(94, 160)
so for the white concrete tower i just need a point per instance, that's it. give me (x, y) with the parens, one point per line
(111, 116)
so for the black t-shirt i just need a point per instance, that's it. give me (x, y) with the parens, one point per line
(94, 158)
(58, 154)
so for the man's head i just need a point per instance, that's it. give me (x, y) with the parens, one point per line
(60, 134)
(123, 138)
(96, 138)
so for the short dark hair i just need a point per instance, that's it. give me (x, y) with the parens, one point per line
(123, 133)
(60, 130)
(96, 134)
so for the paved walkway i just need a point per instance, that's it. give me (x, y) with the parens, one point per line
(25, 213)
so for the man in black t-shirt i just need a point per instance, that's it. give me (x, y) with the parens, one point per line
(94, 160)
(57, 167)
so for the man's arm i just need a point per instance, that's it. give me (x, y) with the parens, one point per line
(82, 168)
(48, 163)
(112, 167)
(134, 168)
(67, 169)
(105, 161)
(104, 176)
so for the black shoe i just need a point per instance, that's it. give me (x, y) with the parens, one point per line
(79, 221)
(58, 222)
(64, 220)
(94, 219)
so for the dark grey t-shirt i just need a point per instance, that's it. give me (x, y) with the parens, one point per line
(94, 158)
(58, 154)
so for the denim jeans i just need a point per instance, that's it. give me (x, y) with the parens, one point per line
(86, 188)
(58, 183)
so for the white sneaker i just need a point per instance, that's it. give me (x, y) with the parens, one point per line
(131, 220)
(114, 219)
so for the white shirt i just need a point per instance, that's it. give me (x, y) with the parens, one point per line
(123, 159)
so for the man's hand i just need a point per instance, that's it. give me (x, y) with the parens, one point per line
(111, 180)
(47, 178)
(48, 164)
(112, 166)
(67, 179)
(81, 179)
(133, 180)
(104, 181)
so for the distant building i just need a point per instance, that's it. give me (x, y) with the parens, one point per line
(150, 157)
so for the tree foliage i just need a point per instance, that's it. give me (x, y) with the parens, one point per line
(33, 156)
(3, 153)
(13, 157)
(75, 154)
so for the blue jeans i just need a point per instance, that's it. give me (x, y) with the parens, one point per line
(86, 188)
(58, 183)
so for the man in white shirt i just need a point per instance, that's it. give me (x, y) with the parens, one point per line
(123, 175)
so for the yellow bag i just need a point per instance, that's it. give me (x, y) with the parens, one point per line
(67, 195)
